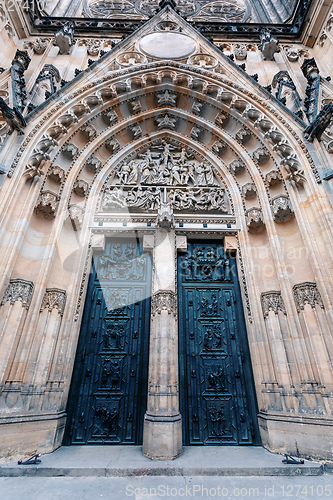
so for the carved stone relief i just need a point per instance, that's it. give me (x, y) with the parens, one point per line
(254, 220)
(47, 204)
(307, 293)
(282, 208)
(64, 38)
(70, 151)
(219, 147)
(75, 215)
(273, 178)
(93, 164)
(54, 298)
(88, 131)
(110, 117)
(18, 290)
(135, 130)
(249, 190)
(237, 167)
(272, 301)
(164, 300)
(56, 174)
(39, 45)
(112, 145)
(80, 187)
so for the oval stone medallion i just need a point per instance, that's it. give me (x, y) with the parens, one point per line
(167, 45)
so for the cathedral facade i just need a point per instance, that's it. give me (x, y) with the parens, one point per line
(166, 225)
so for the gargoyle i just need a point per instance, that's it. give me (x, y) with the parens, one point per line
(13, 117)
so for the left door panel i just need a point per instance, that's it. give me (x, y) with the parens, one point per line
(108, 395)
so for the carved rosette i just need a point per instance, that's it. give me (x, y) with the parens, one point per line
(47, 204)
(249, 190)
(93, 164)
(19, 290)
(254, 220)
(54, 298)
(272, 301)
(307, 293)
(70, 151)
(282, 208)
(164, 300)
(237, 167)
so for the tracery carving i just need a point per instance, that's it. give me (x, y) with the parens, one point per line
(282, 208)
(307, 293)
(254, 220)
(163, 300)
(272, 301)
(18, 290)
(54, 298)
(47, 204)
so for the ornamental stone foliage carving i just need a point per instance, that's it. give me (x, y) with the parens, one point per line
(272, 301)
(196, 133)
(282, 208)
(221, 119)
(165, 217)
(93, 164)
(269, 45)
(93, 47)
(166, 121)
(110, 117)
(80, 187)
(76, 214)
(254, 220)
(57, 174)
(260, 155)
(166, 98)
(243, 135)
(112, 145)
(64, 38)
(88, 131)
(135, 106)
(237, 167)
(18, 290)
(54, 299)
(70, 151)
(307, 293)
(197, 108)
(135, 130)
(164, 300)
(47, 204)
(273, 178)
(249, 190)
(219, 147)
(39, 45)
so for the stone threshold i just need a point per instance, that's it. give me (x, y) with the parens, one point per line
(128, 461)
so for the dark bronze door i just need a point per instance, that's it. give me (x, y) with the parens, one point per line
(217, 395)
(109, 386)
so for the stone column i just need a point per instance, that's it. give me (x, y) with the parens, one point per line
(162, 433)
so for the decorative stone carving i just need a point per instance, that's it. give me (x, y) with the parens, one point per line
(93, 164)
(135, 130)
(110, 117)
(80, 187)
(164, 300)
(237, 167)
(316, 129)
(294, 53)
(273, 178)
(166, 121)
(47, 144)
(57, 174)
(221, 119)
(197, 107)
(295, 175)
(93, 100)
(254, 220)
(88, 131)
(18, 290)
(54, 298)
(272, 301)
(166, 98)
(165, 217)
(269, 45)
(93, 47)
(57, 131)
(131, 58)
(219, 147)
(203, 60)
(282, 208)
(12, 117)
(33, 171)
(47, 204)
(311, 73)
(39, 45)
(112, 145)
(240, 51)
(135, 106)
(307, 293)
(76, 214)
(70, 151)
(98, 242)
(196, 132)
(243, 135)
(20, 64)
(260, 155)
(249, 190)
(68, 119)
(64, 38)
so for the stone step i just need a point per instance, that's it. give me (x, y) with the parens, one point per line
(128, 461)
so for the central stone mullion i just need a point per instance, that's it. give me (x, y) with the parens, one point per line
(162, 434)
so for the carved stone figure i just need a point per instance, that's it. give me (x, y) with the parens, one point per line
(64, 37)
(13, 118)
(316, 129)
(269, 45)
(39, 45)
(240, 51)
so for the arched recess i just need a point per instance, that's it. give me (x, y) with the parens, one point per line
(276, 207)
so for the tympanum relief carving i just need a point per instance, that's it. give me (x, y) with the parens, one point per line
(165, 173)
